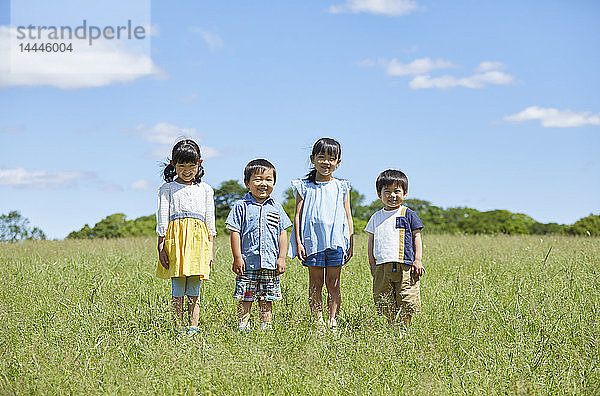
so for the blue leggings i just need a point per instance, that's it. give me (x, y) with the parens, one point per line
(186, 285)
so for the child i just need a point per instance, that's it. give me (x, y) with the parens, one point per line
(323, 228)
(258, 243)
(395, 251)
(185, 228)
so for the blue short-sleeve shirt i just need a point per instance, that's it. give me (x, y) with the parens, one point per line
(259, 226)
(324, 224)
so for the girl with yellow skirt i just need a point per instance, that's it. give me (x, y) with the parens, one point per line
(185, 224)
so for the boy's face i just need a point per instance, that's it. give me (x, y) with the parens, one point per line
(392, 196)
(261, 185)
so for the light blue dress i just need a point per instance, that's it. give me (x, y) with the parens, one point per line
(323, 224)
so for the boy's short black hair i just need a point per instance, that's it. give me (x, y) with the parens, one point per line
(258, 166)
(391, 177)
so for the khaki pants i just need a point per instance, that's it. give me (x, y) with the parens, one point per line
(397, 291)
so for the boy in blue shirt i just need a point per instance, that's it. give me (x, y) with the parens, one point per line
(259, 244)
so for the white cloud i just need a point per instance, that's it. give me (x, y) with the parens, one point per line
(376, 7)
(210, 152)
(165, 133)
(555, 118)
(140, 185)
(418, 66)
(211, 39)
(487, 73)
(13, 129)
(103, 63)
(478, 80)
(489, 65)
(39, 180)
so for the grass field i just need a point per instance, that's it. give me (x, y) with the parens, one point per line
(88, 317)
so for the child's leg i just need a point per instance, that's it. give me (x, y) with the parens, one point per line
(177, 308)
(194, 310)
(384, 292)
(408, 295)
(266, 311)
(334, 295)
(244, 311)
(177, 292)
(315, 288)
(192, 290)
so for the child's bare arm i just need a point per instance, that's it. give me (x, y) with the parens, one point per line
(211, 241)
(236, 249)
(297, 221)
(370, 253)
(348, 210)
(163, 257)
(280, 264)
(418, 268)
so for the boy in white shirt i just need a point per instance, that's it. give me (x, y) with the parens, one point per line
(395, 251)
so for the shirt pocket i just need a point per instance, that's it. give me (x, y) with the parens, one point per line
(273, 219)
(401, 223)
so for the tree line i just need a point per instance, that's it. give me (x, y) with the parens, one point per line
(436, 219)
(457, 220)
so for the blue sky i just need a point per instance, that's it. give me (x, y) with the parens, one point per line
(486, 104)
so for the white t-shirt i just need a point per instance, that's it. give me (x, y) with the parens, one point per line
(393, 235)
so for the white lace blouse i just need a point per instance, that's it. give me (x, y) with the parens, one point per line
(176, 201)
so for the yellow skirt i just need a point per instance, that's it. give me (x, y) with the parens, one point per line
(188, 248)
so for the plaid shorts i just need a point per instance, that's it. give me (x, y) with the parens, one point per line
(260, 284)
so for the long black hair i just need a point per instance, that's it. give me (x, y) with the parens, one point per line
(326, 146)
(184, 152)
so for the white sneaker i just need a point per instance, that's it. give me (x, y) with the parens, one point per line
(244, 327)
(265, 326)
(333, 326)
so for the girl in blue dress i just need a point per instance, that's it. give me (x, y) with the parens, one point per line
(323, 237)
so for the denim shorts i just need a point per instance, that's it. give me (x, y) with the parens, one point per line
(326, 258)
(185, 285)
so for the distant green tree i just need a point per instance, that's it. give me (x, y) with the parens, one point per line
(142, 226)
(228, 192)
(359, 211)
(85, 233)
(110, 227)
(14, 227)
(496, 221)
(116, 226)
(289, 203)
(550, 228)
(589, 225)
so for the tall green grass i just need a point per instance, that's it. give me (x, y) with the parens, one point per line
(88, 317)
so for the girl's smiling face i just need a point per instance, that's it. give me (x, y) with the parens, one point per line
(186, 172)
(325, 164)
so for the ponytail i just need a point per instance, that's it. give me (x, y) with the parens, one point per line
(312, 176)
(169, 173)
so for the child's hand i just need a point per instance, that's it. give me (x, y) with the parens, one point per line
(348, 255)
(238, 266)
(301, 252)
(417, 268)
(280, 265)
(350, 251)
(163, 257)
